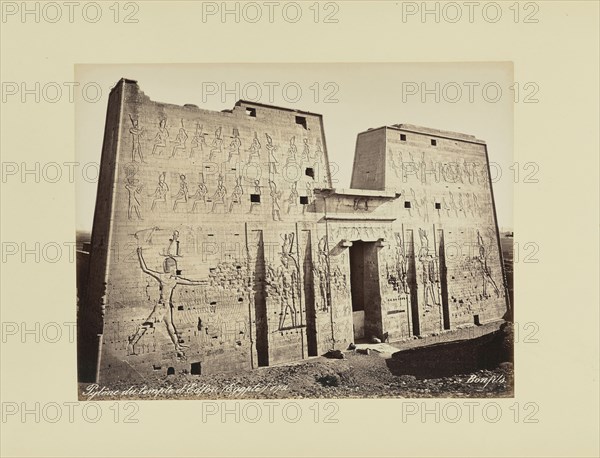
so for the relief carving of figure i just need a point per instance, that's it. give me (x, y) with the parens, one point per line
(200, 195)
(198, 140)
(218, 197)
(234, 146)
(136, 133)
(293, 198)
(429, 276)
(461, 206)
(163, 309)
(255, 146)
(476, 207)
(401, 265)
(284, 283)
(180, 140)
(182, 194)
(416, 202)
(161, 138)
(486, 271)
(217, 145)
(292, 151)
(305, 158)
(453, 205)
(275, 198)
(160, 195)
(134, 189)
(318, 151)
(236, 194)
(320, 269)
(272, 159)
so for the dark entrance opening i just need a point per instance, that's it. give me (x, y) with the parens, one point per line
(364, 286)
(196, 368)
(443, 279)
(171, 371)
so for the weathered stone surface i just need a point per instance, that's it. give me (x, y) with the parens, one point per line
(220, 245)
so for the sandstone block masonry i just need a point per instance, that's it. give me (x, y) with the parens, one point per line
(219, 244)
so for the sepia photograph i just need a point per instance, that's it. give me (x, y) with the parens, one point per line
(299, 228)
(245, 253)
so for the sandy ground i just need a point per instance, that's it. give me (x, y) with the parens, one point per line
(356, 376)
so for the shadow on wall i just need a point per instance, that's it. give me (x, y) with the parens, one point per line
(463, 356)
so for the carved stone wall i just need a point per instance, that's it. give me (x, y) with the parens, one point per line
(445, 196)
(219, 245)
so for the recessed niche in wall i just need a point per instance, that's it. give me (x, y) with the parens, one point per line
(301, 121)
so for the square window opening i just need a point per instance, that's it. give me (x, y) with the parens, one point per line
(403, 137)
(251, 112)
(438, 206)
(301, 121)
(304, 200)
(196, 368)
(310, 172)
(407, 204)
(433, 142)
(255, 198)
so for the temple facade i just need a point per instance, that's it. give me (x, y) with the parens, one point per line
(219, 243)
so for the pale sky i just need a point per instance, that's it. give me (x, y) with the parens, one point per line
(351, 98)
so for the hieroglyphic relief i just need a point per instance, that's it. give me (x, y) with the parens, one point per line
(136, 133)
(305, 157)
(163, 309)
(162, 189)
(199, 198)
(309, 196)
(271, 149)
(429, 271)
(354, 232)
(397, 274)
(254, 150)
(180, 140)
(134, 189)
(320, 276)
(416, 203)
(293, 198)
(283, 284)
(275, 198)
(235, 145)
(182, 195)
(218, 197)
(198, 140)
(482, 259)
(425, 206)
(218, 314)
(236, 194)
(461, 171)
(292, 151)
(161, 138)
(453, 205)
(216, 146)
(339, 280)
